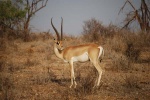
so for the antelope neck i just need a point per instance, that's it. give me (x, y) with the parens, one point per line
(58, 52)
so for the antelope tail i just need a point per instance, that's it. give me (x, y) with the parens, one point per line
(101, 53)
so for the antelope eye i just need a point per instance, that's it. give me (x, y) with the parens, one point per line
(58, 43)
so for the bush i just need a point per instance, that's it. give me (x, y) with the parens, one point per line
(132, 53)
(120, 62)
(131, 82)
(91, 30)
(94, 31)
(87, 83)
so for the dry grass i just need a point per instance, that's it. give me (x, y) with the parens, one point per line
(30, 70)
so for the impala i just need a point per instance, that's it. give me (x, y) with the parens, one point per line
(81, 53)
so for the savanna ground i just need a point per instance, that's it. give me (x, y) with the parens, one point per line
(31, 71)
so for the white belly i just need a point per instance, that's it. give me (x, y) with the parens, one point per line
(82, 58)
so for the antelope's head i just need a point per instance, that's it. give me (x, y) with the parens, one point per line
(58, 41)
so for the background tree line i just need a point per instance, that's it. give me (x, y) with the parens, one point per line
(15, 17)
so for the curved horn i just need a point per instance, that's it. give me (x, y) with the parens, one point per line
(61, 28)
(58, 37)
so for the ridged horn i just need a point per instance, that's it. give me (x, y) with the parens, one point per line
(58, 37)
(61, 28)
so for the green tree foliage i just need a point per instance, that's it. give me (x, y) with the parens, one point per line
(15, 16)
(10, 14)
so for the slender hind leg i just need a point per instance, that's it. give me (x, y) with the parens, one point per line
(99, 69)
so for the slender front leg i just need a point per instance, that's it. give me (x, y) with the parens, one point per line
(72, 75)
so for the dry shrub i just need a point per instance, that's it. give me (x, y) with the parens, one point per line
(128, 44)
(131, 81)
(39, 36)
(144, 39)
(116, 43)
(135, 44)
(41, 78)
(6, 87)
(138, 39)
(91, 30)
(84, 87)
(7, 46)
(87, 83)
(132, 53)
(30, 62)
(3, 43)
(2, 63)
(95, 31)
(120, 62)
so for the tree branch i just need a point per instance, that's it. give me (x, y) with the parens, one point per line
(128, 22)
